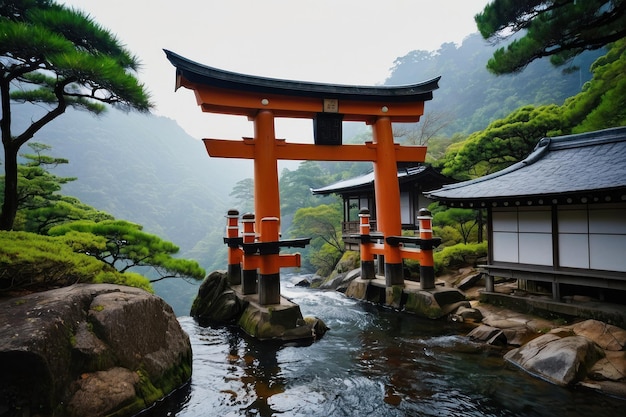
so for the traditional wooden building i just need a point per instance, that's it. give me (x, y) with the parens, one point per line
(556, 220)
(358, 193)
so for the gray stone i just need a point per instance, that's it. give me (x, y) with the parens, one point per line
(487, 334)
(72, 338)
(316, 280)
(302, 282)
(516, 336)
(470, 314)
(216, 302)
(562, 361)
(317, 325)
(101, 393)
(454, 307)
(333, 283)
(469, 281)
(612, 367)
(605, 335)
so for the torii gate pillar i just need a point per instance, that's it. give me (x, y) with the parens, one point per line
(387, 191)
(266, 194)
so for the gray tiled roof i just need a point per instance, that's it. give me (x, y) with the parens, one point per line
(367, 180)
(587, 165)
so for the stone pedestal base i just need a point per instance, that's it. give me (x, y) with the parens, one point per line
(281, 322)
(433, 303)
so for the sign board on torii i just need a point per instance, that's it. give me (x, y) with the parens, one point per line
(263, 99)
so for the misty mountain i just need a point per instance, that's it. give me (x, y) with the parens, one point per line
(471, 97)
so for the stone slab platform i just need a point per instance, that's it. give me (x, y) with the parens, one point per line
(432, 303)
(607, 312)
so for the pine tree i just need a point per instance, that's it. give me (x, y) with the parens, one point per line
(57, 58)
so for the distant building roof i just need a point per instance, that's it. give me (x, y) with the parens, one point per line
(365, 182)
(583, 168)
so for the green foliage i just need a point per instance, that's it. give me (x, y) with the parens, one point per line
(324, 259)
(560, 29)
(40, 205)
(243, 193)
(42, 208)
(130, 279)
(602, 103)
(323, 225)
(35, 262)
(463, 220)
(453, 257)
(124, 245)
(503, 142)
(58, 58)
(296, 186)
(449, 235)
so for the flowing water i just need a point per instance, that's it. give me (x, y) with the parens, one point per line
(372, 362)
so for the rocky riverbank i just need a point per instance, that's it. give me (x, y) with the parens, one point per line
(585, 353)
(563, 350)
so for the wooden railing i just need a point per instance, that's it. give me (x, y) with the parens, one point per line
(352, 227)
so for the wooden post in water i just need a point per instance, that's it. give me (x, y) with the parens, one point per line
(269, 272)
(427, 263)
(234, 252)
(249, 273)
(367, 257)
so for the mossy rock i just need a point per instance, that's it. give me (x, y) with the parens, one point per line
(423, 304)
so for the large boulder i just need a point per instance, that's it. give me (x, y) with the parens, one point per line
(607, 336)
(91, 350)
(561, 360)
(216, 302)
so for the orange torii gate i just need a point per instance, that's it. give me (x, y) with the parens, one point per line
(264, 99)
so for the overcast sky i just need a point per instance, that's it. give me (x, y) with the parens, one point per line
(331, 41)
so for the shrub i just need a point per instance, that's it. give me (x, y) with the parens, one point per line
(37, 262)
(459, 255)
(448, 234)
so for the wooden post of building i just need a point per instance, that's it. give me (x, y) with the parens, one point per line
(387, 190)
(427, 263)
(249, 273)
(269, 272)
(234, 252)
(367, 257)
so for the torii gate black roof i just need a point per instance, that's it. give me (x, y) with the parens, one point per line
(574, 169)
(210, 76)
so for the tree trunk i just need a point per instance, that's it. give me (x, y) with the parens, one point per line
(9, 206)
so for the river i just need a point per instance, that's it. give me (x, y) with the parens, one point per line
(372, 362)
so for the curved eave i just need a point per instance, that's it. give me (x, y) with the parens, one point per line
(356, 189)
(214, 77)
(614, 195)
